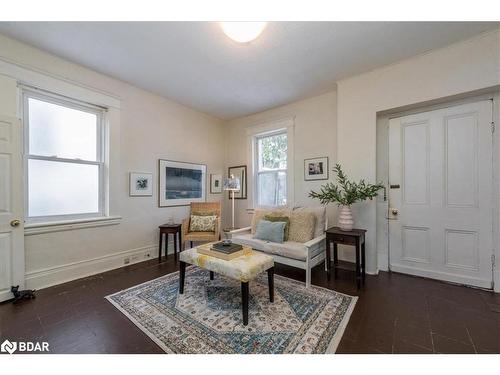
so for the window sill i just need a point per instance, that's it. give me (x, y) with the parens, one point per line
(60, 226)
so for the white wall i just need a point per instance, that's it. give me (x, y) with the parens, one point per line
(340, 124)
(460, 68)
(149, 128)
(314, 136)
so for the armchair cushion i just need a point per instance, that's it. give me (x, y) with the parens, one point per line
(202, 223)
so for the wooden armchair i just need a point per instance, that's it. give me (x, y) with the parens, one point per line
(202, 208)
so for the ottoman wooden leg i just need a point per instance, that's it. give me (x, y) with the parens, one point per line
(211, 275)
(182, 276)
(244, 301)
(270, 281)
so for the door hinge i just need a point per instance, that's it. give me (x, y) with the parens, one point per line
(493, 261)
(492, 126)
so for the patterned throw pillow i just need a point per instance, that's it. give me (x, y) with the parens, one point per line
(301, 226)
(259, 214)
(283, 219)
(202, 223)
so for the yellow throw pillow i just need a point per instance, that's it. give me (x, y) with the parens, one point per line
(301, 226)
(259, 214)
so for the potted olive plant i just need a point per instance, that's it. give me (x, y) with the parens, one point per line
(345, 194)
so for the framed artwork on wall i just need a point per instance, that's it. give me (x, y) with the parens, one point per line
(215, 183)
(140, 184)
(240, 172)
(316, 169)
(181, 183)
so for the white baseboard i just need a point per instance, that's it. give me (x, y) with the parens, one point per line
(46, 277)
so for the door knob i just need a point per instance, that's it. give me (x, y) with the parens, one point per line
(15, 223)
(394, 211)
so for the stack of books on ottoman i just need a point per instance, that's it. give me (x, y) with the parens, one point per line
(223, 250)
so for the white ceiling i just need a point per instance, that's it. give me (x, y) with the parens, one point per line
(195, 64)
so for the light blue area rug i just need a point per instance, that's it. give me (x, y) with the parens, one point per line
(207, 317)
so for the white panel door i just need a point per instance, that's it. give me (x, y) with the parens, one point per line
(441, 215)
(11, 207)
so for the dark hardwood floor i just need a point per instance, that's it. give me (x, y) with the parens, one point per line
(394, 314)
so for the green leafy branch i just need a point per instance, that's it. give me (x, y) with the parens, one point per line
(346, 192)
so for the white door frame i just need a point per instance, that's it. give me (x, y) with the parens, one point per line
(383, 248)
(12, 269)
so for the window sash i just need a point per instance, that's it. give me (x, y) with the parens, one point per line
(264, 136)
(259, 172)
(100, 152)
(274, 172)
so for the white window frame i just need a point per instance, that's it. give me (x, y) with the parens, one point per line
(100, 112)
(258, 171)
(283, 125)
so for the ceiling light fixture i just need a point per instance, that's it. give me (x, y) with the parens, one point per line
(243, 32)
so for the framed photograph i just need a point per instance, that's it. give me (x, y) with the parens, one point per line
(215, 183)
(240, 172)
(141, 184)
(316, 169)
(181, 183)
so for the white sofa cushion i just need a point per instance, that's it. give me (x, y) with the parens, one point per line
(288, 249)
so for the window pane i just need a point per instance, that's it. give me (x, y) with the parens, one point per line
(57, 188)
(272, 152)
(59, 131)
(272, 189)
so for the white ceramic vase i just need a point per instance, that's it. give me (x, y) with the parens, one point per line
(346, 221)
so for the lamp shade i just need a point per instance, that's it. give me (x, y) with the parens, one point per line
(232, 183)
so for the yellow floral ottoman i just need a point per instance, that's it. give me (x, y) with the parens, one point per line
(243, 269)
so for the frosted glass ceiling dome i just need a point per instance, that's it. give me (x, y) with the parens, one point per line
(243, 32)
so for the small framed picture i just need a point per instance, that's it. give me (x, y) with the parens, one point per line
(141, 184)
(215, 183)
(316, 169)
(239, 172)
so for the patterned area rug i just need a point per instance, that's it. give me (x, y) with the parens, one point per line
(207, 317)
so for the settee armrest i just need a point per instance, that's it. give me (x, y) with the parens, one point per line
(239, 231)
(315, 241)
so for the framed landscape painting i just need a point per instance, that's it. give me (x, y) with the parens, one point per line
(181, 183)
(141, 184)
(316, 169)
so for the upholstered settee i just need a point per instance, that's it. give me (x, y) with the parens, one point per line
(294, 252)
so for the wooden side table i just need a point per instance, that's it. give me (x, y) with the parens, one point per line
(170, 229)
(355, 238)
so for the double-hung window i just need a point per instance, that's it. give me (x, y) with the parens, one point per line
(271, 153)
(64, 143)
